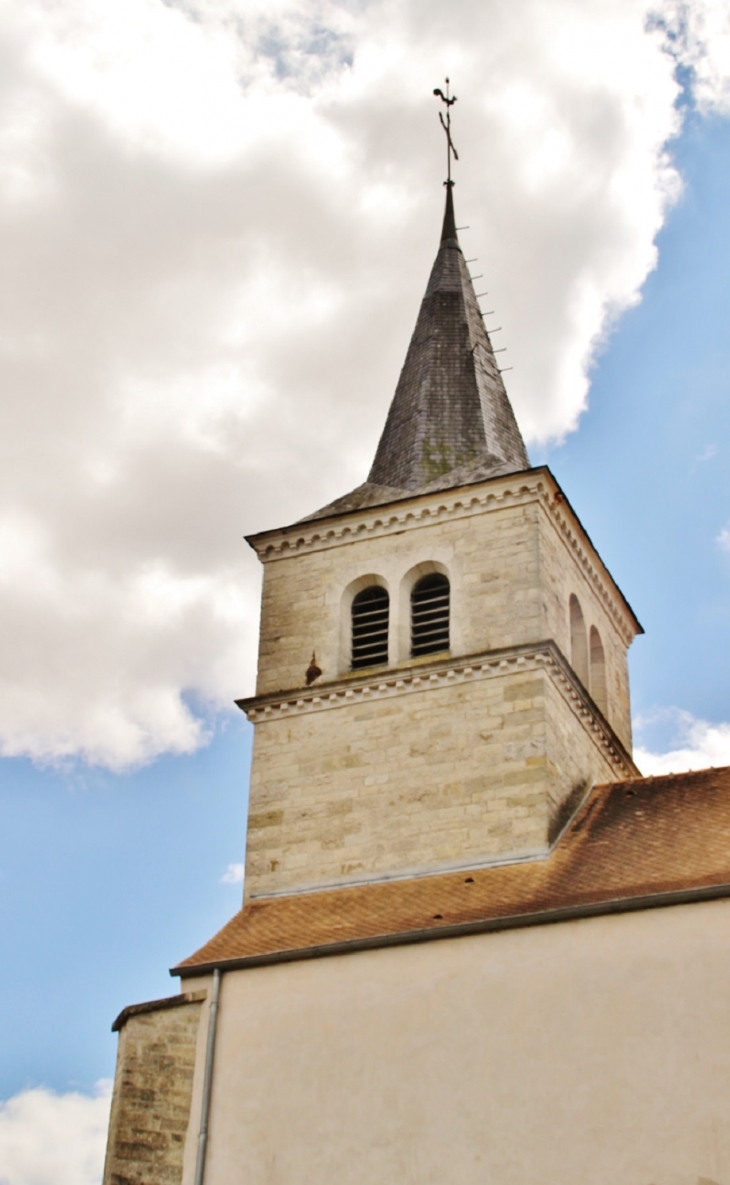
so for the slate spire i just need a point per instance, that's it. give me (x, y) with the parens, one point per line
(448, 230)
(450, 415)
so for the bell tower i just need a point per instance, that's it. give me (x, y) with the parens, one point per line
(470, 682)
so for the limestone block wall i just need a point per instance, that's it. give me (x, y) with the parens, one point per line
(513, 552)
(490, 557)
(152, 1094)
(588, 1051)
(562, 573)
(460, 772)
(574, 758)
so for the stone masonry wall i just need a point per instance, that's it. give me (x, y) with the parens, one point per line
(454, 775)
(561, 575)
(512, 571)
(572, 756)
(492, 562)
(440, 778)
(152, 1094)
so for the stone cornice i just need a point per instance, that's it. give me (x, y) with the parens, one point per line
(376, 521)
(447, 672)
(156, 1006)
(578, 543)
(516, 489)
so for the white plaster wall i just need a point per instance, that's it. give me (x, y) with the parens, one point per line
(586, 1053)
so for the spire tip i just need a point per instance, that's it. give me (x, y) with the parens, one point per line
(448, 230)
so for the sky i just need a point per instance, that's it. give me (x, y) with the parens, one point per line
(217, 219)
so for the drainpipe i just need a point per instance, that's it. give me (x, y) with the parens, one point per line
(208, 1078)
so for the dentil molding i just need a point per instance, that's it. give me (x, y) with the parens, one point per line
(446, 673)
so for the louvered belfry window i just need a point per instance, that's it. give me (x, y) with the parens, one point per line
(370, 627)
(430, 602)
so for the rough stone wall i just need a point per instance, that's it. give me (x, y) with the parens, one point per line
(453, 775)
(152, 1093)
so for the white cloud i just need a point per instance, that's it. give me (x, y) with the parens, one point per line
(700, 32)
(54, 1139)
(216, 222)
(233, 875)
(723, 538)
(696, 744)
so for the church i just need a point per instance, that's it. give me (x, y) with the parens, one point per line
(476, 945)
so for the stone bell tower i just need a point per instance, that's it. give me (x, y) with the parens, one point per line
(470, 682)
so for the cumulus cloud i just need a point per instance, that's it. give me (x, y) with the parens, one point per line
(233, 875)
(694, 744)
(723, 539)
(699, 36)
(216, 223)
(54, 1139)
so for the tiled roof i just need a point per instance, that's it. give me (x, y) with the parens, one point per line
(633, 844)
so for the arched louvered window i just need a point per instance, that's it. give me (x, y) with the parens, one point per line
(430, 602)
(578, 641)
(370, 611)
(598, 670)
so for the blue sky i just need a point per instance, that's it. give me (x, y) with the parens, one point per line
(648, 471)
(108, 880)
(209, 296)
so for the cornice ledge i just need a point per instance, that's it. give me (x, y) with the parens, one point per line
(617, 609)
(590, 715)
(342, 693)
(460, 503)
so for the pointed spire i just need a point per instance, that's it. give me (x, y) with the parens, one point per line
(448, 230)
(450, 421)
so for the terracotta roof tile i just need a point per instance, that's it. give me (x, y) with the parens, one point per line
(631, 843)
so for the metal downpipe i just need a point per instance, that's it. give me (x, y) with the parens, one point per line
(208, 1078)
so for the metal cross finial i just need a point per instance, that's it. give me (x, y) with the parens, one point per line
(446, 125)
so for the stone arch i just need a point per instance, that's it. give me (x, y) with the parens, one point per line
(578, 642)
(598, 670)
(412, 578)
(430, 614)
(354, 590)
(370, 623)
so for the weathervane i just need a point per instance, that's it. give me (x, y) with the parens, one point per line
(446, 125)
